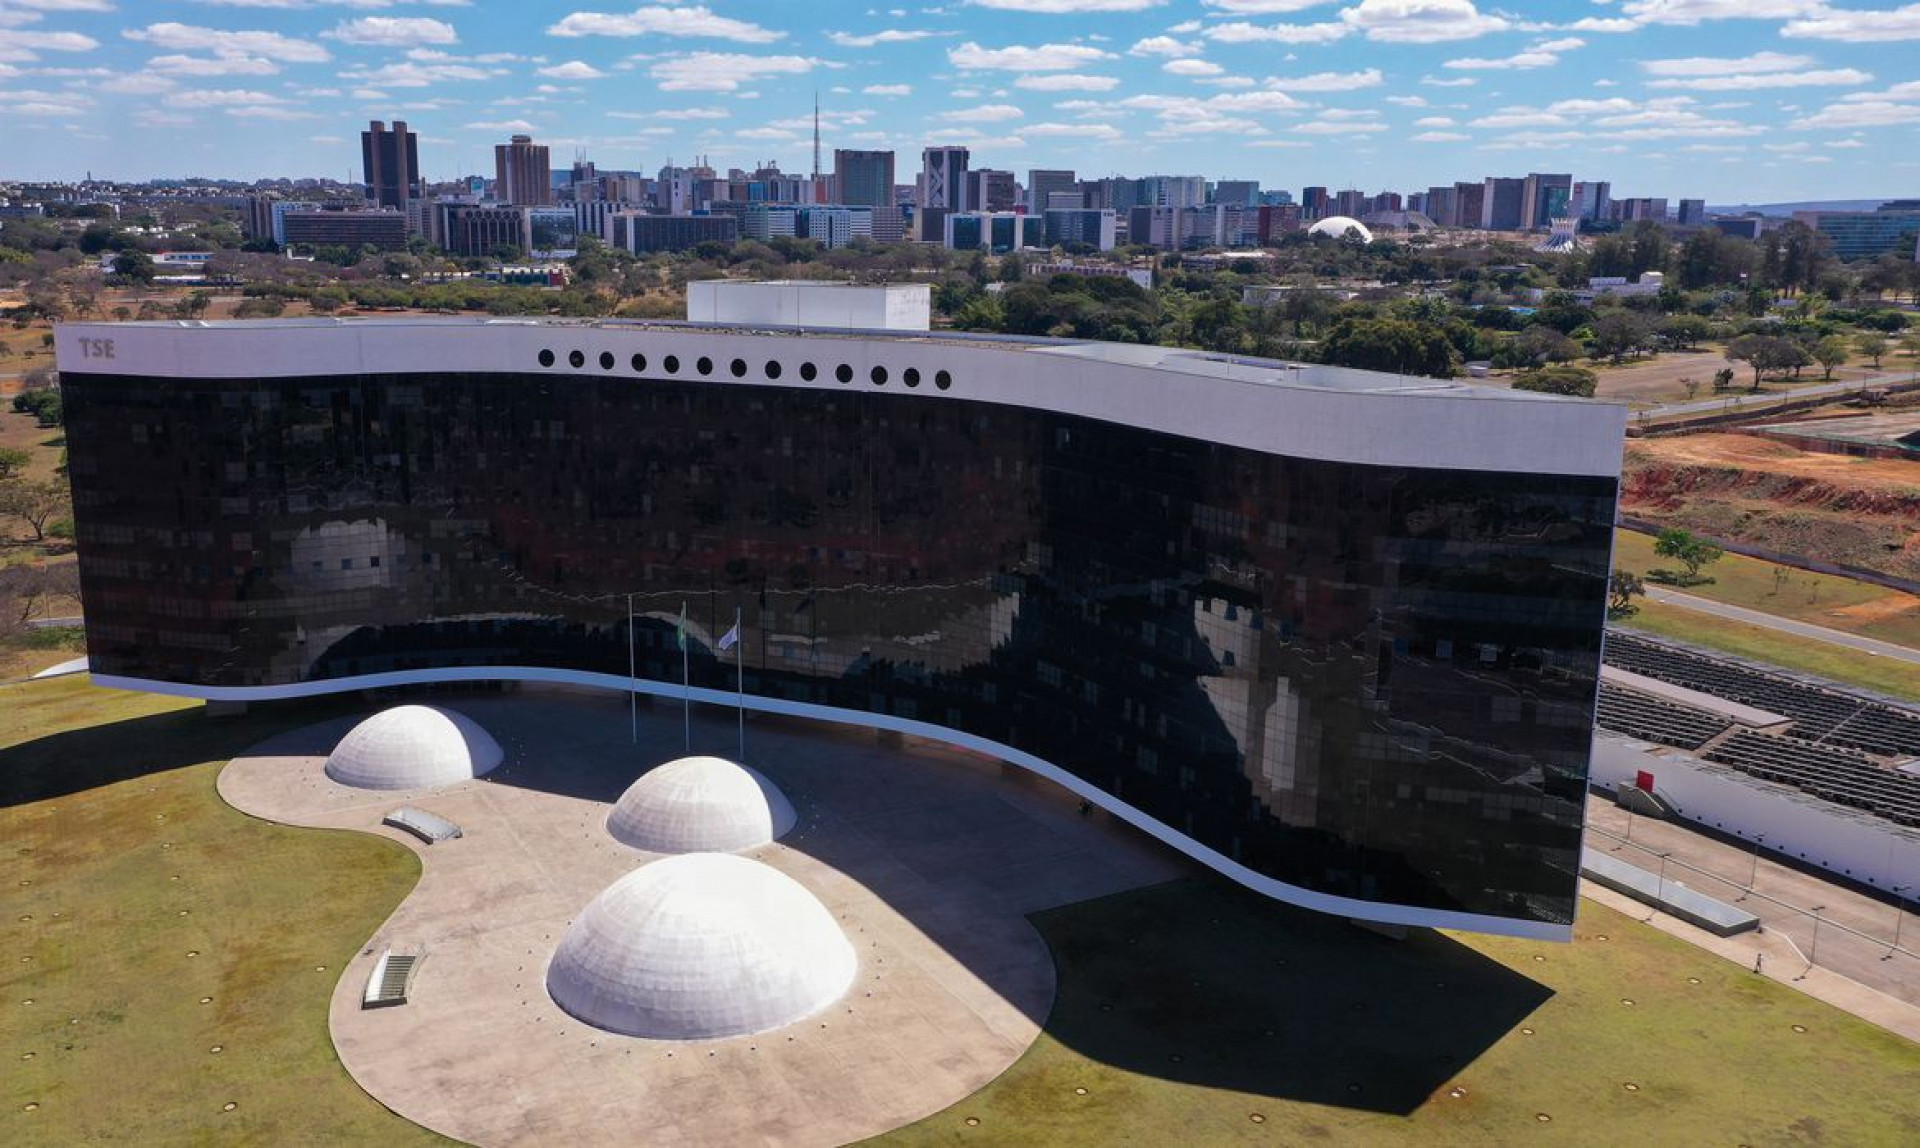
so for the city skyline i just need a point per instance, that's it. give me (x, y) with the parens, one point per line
(1787, 100)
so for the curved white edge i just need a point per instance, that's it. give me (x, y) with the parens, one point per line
(1365, 417)
(1375, 911)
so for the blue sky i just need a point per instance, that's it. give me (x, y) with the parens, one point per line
(1733, 100)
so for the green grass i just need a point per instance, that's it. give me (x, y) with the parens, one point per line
(1186, 1009)
(1807, 655)
(121, 861)
(1822, 599)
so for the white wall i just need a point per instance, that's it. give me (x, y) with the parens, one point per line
(1837, 839)
(895, 307)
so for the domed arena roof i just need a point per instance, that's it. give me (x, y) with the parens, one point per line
(413, 747)
(700, 805)
(700, 946)
(1339, 225)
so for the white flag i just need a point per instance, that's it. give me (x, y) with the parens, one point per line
(731, 638)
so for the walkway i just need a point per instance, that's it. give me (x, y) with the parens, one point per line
(1743, 400)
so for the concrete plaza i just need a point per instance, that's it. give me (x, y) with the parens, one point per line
(929, 858)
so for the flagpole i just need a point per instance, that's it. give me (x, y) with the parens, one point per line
(686, 685)
(740, 683)
(633, 677)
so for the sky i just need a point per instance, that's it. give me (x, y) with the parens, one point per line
(1729, 100)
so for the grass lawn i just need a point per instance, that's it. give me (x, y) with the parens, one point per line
(27, 653)
(1195, 1013)
(1822, 599)
(1883, 675)
(132, 892)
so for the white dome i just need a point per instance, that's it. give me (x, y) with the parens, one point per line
(699, 946)
(1338, 226)
(700, 805)
(413, 747)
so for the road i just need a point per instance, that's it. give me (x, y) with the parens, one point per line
(1870, 646)
(1732, 402)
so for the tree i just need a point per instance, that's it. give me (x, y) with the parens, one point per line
(1689, 550)
(1831, 352)
(1622, 588)
(13, 462)
(34, 503)
(1618, 334)
(1871, 344)
(1390, 345)
(1685, 331)
(135, 267)
(1560, 380)
(1691, 386)
(1723, 380)
(1765, 353)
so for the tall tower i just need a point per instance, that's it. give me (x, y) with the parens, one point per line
(864, 178)
(816, 137)
(391, 162)
(523, 174)
(943, 178)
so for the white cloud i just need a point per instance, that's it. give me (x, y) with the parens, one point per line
(1106, 133)
(763, 134)
(1727, 66)
(1861, 114)
(1191, 67)
(987, 113)
(137, 84)
(1327, 81)
(1066, 82)
(674, 114)
(1241, 32)
(1439, 137)
(890, 36)
(723, 71)
(221, 98)
(1337, 127)
(267, 45)
(1015, 58)
(664, 20)
(1408, 101)
(1451, 82)
(1422, 21)
(887, 90)
(1688, 12)
(175, 65)
(1059, 7)
(521, 126)
(418, 74)
(1263, 7)
(1434, 122)
(393, 31)
(1857, 27)
(1832, 77)
(1163, 46)
(573, 70)
(24, 46)
(1544, 54)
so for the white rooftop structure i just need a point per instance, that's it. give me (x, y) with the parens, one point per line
(700, 946)
(1339, 226)
(413, 747)
(812, 303)
(700, 805)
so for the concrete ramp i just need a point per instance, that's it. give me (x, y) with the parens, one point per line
(1668, 895)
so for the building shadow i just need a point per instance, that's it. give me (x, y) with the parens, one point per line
(1205, 983)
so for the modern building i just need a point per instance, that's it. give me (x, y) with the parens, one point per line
(996, 232)
(1866, 234)
(1501, 208)
(641, 233)
(1543, 199)
(816, 304)
(334, 226)
(992, 190)
(1693, 213)
(1082, 226)
(390, 160)
(1335, 637)
(1237, 192)
(1273, 221)
(1044, 183)
(943, 179)
(523, 175)
(864, 178)
(483, 230)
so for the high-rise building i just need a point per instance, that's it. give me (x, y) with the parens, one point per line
(384, 229)
(1891, 230)
(1236, 192)
(1540, 195)
(1094, 228)
(1043, 183)
(1591, 199)
(1505, 200)
(390, 159)
(522, 175)
(864, 178)
(991, 190)
(1351, 203)
(1693, 212)
(943, 178)
(1469, 202)
(1443, 205)
(1313, 203)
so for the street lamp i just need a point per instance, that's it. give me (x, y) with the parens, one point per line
(1899, 918)
(1813, 950)
(1753, 873)
(1660, 890)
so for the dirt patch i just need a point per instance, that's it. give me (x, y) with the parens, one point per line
(1834, 508)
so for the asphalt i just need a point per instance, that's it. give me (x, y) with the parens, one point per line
(1743, 400)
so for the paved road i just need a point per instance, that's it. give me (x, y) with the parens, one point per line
(1743, 400)
(1873, 647)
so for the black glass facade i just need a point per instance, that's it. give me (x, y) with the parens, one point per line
(1365, 681)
